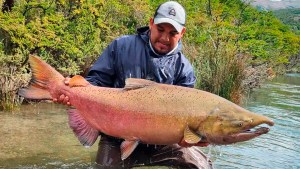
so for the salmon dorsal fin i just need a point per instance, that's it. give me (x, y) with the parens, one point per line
(135, 83)
(78, 81)
(127, 147)
(84, 132)
(190, 136)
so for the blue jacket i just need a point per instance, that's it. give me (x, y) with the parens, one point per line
(131, 56)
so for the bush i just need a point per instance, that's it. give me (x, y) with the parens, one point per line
(12, 76)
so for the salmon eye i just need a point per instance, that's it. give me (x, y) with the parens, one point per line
(238, 123)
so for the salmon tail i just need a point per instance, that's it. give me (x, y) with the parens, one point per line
(36, 93)
(43, 75)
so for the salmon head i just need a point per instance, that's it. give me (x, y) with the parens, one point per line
(227, 125)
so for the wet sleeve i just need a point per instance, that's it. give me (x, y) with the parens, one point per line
(102, 72)
(186, 76)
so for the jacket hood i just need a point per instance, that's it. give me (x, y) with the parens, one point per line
(144, 32)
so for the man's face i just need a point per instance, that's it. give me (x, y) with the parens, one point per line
(164, 37)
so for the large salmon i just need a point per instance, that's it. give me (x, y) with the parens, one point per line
(145, 111)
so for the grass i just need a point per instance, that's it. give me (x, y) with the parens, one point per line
(218, 70)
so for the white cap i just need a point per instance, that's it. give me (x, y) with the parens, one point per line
(170, 12)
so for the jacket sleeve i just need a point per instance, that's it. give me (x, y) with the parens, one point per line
(102, 72)
(185, 74)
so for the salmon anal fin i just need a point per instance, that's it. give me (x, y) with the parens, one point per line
(34, 92)
(78, 81)
(191, 137)
(84, 132)
(127, 147)
(134, 83)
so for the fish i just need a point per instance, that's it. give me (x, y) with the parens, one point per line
(144, 111)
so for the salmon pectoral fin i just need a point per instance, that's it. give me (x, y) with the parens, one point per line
(127, 147)
(84, 132)
(190, 136)
(35, 92)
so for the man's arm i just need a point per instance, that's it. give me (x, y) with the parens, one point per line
(185, 75)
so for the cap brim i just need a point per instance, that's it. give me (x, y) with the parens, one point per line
(176, 25)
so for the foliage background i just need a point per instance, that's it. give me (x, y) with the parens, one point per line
(290, 17)
(223, 38)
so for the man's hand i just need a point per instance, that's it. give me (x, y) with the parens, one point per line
(62, 98)
(200, 144)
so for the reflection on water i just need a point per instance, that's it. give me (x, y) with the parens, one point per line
(280, 148)
(38, 136)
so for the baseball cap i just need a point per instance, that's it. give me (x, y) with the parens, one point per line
(170, 12)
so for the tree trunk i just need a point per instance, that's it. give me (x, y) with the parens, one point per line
(208, 9)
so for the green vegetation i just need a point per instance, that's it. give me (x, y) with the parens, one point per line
(223, 36)
(289, 17)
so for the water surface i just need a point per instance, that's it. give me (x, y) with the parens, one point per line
(38, 136)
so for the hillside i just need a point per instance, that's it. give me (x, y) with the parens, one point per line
(290, 17)
(276, 4)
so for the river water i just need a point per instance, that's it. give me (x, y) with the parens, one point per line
(38, 136)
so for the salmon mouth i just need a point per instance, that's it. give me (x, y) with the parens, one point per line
(250, 132)
(254, 131)
(236, 137)
(260, 130)
(245, 135)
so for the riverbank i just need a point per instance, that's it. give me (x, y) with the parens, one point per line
(294, 64)
(255, 75)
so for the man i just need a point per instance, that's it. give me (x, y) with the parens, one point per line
(153, 54)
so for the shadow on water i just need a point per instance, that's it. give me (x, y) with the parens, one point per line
(38, 136)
